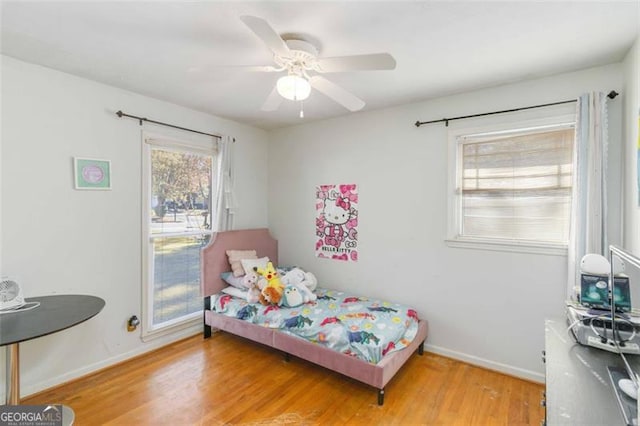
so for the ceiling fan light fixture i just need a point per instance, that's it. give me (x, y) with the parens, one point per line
(293, 87)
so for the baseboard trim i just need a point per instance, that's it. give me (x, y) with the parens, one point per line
(28, 390)
(510, 370)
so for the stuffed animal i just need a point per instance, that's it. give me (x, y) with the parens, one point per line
(271, 296)
(305, 282)
(253, 294)
(294, 276)
(307, 295)
(250, 279)
(272, 292)
(310, 281)
(250, 282)
(271, 275)
(291, 297)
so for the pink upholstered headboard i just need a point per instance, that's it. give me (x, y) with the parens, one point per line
(213, 258)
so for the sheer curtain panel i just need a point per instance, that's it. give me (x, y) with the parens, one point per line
(588, 232)
(226, 203)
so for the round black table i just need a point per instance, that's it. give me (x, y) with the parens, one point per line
(55, 313)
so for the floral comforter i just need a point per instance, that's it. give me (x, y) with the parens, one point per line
(358, 326)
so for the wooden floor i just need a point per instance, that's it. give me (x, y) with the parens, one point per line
(231, 381)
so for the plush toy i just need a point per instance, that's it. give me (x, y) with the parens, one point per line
(294, 276)
(305, 282)
(250, 279)
(250, 282)
(271, 295)
(253, 294)
(271, 275)
(307, 295)
(310, 281)
(272, 292)
(291, 297)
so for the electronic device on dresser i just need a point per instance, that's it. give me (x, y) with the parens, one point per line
(591, 320)
(594, 327)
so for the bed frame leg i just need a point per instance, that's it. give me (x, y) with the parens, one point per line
(207, 307)
(287, 357)
(421, 349)
(380, 396)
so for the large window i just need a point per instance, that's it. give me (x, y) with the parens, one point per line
(177, 220)
(513, 187)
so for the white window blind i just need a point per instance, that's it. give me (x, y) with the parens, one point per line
(517, 185)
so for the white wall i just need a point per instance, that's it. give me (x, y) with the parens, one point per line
(486, 307)
(632, 148)
(58, 240)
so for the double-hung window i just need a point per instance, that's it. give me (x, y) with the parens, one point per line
(177, 206)
(511, 188)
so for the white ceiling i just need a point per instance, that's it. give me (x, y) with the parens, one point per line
(182, 52)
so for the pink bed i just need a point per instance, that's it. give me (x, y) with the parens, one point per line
(214, 262)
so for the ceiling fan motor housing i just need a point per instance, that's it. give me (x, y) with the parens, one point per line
(303, 56)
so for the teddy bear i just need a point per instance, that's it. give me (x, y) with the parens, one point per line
(253, 294)
(251, 283)
(250, 280)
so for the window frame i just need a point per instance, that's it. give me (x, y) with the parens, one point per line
(192, 321)
(455, 138)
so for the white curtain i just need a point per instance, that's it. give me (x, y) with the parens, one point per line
(225, 202)
(589, 208)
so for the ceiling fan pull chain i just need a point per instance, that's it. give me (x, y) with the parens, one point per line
(301, 110)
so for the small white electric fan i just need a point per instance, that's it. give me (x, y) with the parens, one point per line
(10, 295)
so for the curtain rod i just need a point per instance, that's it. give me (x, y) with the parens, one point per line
(141, 119)
(612, 94)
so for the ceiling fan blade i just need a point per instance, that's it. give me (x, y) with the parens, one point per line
(337, 93)
(222, 68)
(263, 30)
(273, 101)
(256, 68)
(374, 61)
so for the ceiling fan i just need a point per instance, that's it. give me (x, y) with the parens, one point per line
(299, 59)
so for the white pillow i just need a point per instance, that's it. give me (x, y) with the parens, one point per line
(235, 292)
(249, 264)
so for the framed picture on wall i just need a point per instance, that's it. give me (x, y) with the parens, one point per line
(91, 173)
(337, 222)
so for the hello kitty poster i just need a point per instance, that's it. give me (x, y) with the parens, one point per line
(337, 222)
